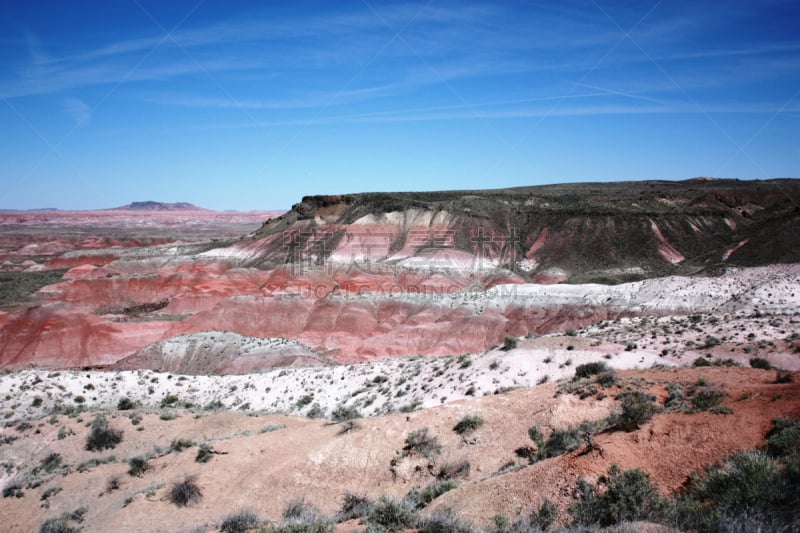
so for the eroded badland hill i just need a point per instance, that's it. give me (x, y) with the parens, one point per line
(443, 361)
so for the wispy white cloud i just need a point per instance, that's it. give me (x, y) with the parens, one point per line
(78, 111)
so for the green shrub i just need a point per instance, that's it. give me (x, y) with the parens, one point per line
(701, 361)
(58, 525)
(305, 400)
(627, 495)
(51, 462)
(422, 442)
(468, 424)
(178, 445)
(706, 397)
(509, 343)
(125, 404)
(392, 514)
(432, 491)
(170, 400)
(760, 362)
(240, 522)
(443, 521)
(185, 492)
(590, 369)
(561, 442)
(637, 408)
(458, 469)
(354, 506)
(102, 436)
(783, 376)
(300, 516)
(204, 453)
(607, 378)
(783, 439)
(343, 412)
(13, 488)
(137, 466)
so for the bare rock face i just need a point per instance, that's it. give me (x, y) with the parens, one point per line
(358, 277)
(220, 352)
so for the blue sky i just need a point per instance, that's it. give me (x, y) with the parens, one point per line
(251, 105)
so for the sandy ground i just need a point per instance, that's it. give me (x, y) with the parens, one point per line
(268, 460)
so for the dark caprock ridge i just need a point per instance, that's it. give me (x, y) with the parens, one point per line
(604, 232)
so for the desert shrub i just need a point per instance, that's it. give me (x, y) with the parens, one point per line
(783, 376)
(590, 369)
(125, 404)
(102, 436)
(747, 492)
(51, 491)
(432, 491)
(625, 496)
(185, 492)
(706, 397)
(701, 361)
(569, 332)
(468, 424)
(61, 523)
(300, 516)
(458, 469)
(561, 442)
(269, 428)
(178, 445)
(509, 343)
(112, 483)
(354, 506)
(607, 378)
(760, 362)
(13, 488)
(535, 520)
(204, 453)
(422, 442)
(443, 521)
(783, 439)
(315, 411)
(51, 462)
(637, 408)
(58, 525)
(392, 514)
(240, 522)
(343, 412)
(305, 400)
(137, 466)
(37, 401)
(170, 400)
(92, 463)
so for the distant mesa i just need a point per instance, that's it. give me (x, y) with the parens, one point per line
(159, 206)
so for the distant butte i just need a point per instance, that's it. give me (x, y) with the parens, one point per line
(159, 206)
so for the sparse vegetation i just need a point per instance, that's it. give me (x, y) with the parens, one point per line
(354, 506)
(102, 436)
(126, 404)
(637, 408)
(627, 495)
(468, 424)
(590, 369)
(137, 465)
(392, 514)
(422, 442)
(185, 492)
(509, 343)
(240, 522)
